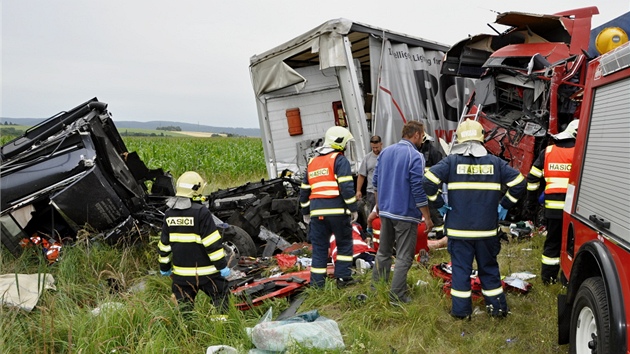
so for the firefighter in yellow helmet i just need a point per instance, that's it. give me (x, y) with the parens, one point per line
(328, 203)
(475, 206)
(191, 248)
(554, 165)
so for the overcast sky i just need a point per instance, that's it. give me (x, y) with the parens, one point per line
(188, 60)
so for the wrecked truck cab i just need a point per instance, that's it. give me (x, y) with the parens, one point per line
(529, 79)
(73, 171)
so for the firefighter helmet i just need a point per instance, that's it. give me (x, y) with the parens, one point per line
(470, 130)
(337, 138)
(570, 132)
(189, 185)
(426, 137)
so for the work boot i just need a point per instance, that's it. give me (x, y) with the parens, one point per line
(395, 300)
(460, 317)
(345, 282)
(500, 313)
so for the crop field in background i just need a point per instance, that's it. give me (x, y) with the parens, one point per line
(224, 162)
(143, 319)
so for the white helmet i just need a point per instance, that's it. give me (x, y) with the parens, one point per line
(189, 185)
(426, 137)
(470, 130)
(337, 138)
(570, 132)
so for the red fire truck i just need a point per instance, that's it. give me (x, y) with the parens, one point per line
(593, 314)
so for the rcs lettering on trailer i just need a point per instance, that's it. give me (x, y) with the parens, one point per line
(463, 169)
(318, 173)
(559, 167)
(180, 221)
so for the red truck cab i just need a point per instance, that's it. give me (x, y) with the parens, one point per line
(595, 258)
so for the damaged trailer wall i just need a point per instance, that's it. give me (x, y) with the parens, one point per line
(378, 79)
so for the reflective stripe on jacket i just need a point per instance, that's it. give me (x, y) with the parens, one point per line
(190, 245)
(328, 186)
(321, 176)
(474, 193)
(554, 201)
(557, 169)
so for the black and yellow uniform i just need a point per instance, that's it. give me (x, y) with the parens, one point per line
(192, 248)
(431, 157)
(474, 194)
(554, 165)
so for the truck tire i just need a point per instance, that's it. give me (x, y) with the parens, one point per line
(590, 319)
(237, 243)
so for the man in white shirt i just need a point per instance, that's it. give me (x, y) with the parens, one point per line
(366, 171)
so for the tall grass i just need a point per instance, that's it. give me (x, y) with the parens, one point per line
(144, 319)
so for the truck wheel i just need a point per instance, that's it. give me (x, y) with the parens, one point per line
(590, 319)
(237, 243)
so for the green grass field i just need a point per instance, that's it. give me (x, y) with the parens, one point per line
(143, 318)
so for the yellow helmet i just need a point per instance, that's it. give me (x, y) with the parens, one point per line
(470, 130)
(337, 138)
(610, 38)
(190, 184)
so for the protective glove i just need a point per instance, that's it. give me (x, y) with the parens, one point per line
(306, 218)
(355, 216)
(166, 273)
(541, 198)
(502, 212)
(444, 209)
(225, 272)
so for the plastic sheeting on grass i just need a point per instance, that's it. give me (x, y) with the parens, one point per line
(24, 290)
(308, 329)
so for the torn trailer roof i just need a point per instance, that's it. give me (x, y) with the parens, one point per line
(365, 78)
(324, 45)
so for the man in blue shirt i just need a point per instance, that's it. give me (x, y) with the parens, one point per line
(401, 205)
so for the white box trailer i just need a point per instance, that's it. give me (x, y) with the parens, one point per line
(367, 79)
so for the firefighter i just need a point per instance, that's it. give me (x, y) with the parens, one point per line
(432, 156)
(474, 180)
(191, 248)
(554, 165)
(328, 203)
